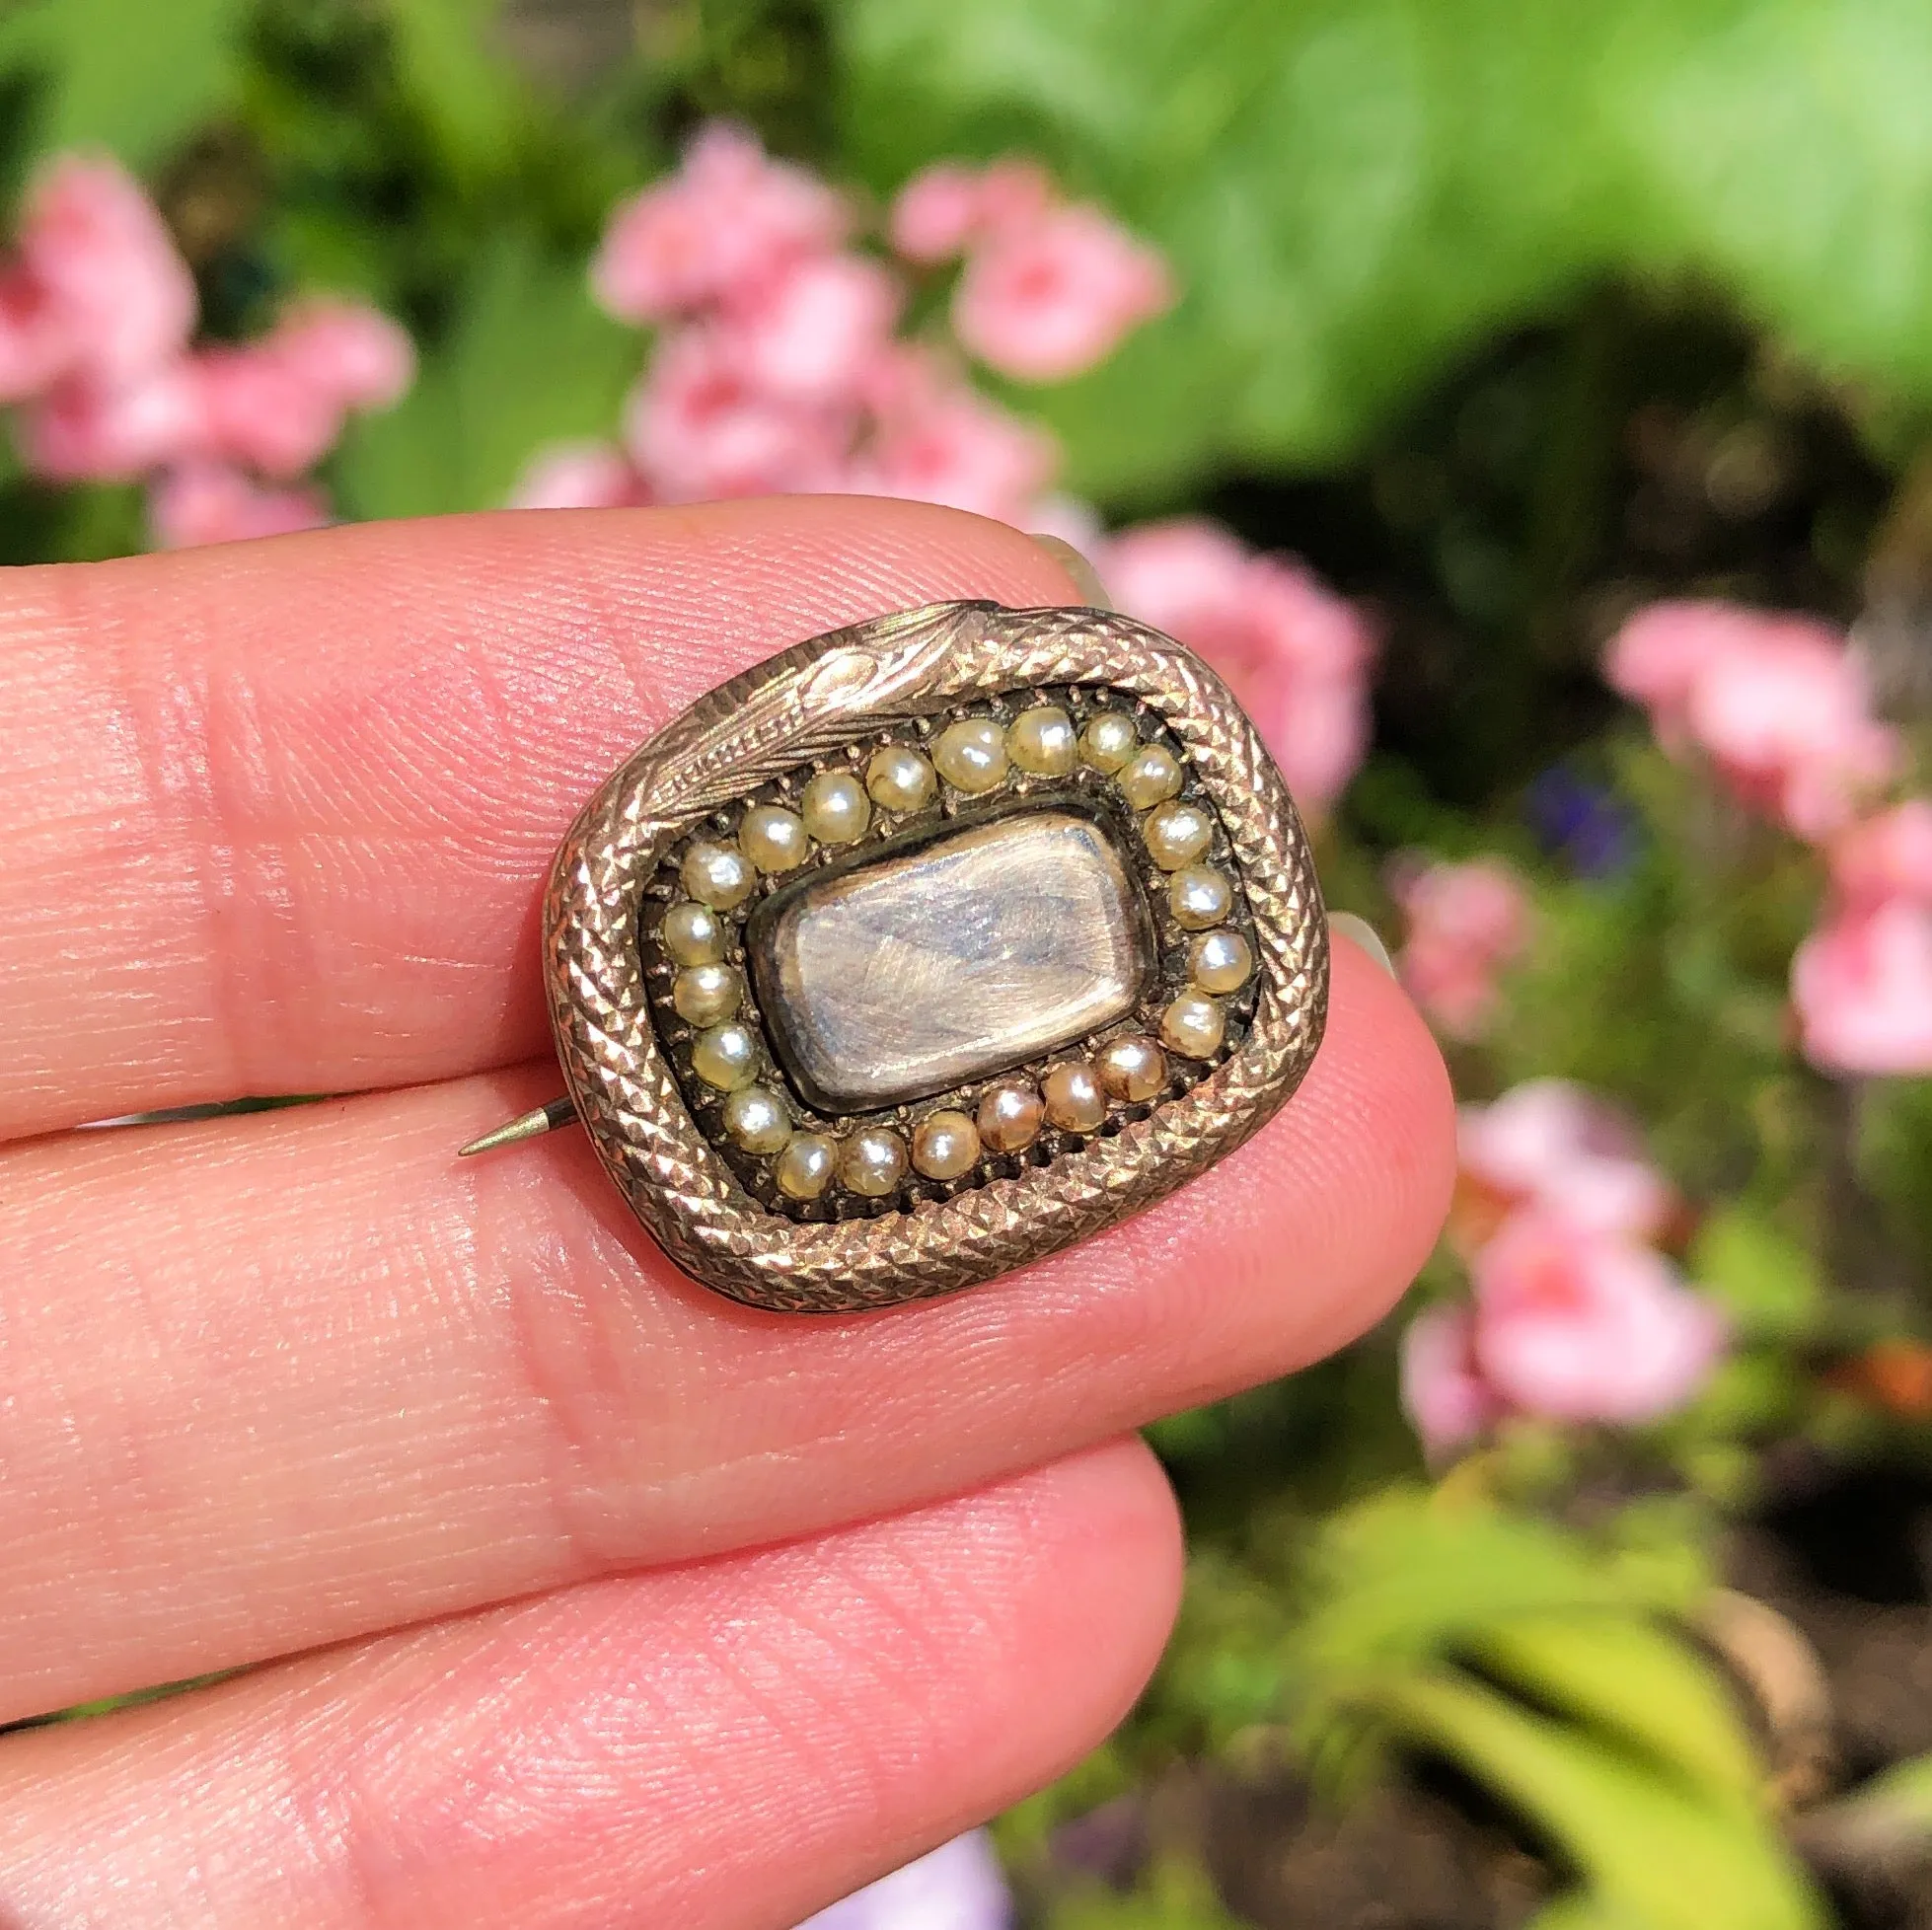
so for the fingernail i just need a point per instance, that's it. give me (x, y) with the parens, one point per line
(1085, 579)
(1366, 935)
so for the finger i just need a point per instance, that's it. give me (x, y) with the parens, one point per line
(723, 1748)
(277, 815)
(280, 1379)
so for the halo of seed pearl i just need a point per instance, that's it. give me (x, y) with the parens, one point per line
(974, 756)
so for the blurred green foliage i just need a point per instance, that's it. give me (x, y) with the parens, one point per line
(135, 78)
(1354, 193)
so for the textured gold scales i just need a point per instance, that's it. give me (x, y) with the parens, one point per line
(809, 700)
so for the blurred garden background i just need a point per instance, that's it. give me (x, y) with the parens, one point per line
(1527, 408)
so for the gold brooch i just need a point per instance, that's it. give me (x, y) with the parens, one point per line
(927, 948)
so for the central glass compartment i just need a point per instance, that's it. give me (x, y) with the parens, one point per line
(956, 953)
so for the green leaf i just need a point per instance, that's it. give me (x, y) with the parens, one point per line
(1894, 1153)
(133, 76)
(530, 361)
(1649, 1848)
(1638, 1683)
(467, 92)
(1355, 192)
(1401, 1577)
(1766, 1281)
(1580, 1910)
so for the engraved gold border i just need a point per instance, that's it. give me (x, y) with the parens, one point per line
(812, 699)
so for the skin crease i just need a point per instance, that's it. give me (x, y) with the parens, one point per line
(277, 816)
(730, 1747)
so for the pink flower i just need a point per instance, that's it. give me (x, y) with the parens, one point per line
(354, 355)
(579, 476)
(1790, 726)
(935, 213)
(84, 430)
(262, 409)
(1889, 855)
(728, 219)
(942, 210)
(1779, 705)
(278, 405)
(1576, 1325)
(1467, 924)
(1443, 1393)
(1048, 299)
(1014, 194)
(699, 427)
(209, 502)
(813, 333)
(35, 341)
(1862, 986)
(93, 245)
(1548, 1143)
(937, 442)
(1658, 655)
(1294, 654)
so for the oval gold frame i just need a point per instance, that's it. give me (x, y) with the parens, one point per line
(811, 700)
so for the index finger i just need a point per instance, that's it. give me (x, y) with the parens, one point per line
(277, 815)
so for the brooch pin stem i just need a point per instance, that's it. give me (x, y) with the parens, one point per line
(532, 1125)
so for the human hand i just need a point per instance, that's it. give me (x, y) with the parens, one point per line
(583, 1597)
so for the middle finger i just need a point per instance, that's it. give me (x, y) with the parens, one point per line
(282, 1379)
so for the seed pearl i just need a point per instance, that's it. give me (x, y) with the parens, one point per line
(1176, 835)
(1153, 776)
(706, 993)
(1109, 740)
(717, 876)
(803, 1170)
(1199, 896)
(1009, 1118)
(693, 934)
(972, 755)
(871, 1164)
(1220, 961)
(945, 1145)
(1041, 741)
(1075, 1102)
(1192, 1026)
(725, 1057)
(836, 807)
(757, 1120)
(774, 838)
(900, 779)
(1131, 1069)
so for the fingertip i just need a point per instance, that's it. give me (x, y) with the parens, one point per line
(1122, 1543)
(1376, 1115)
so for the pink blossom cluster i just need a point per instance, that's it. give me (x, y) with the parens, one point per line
(778, 366)
(1862, 983)
(781, 366)
(1782, 707)
(1467, 923)
(1297, 655)
(97, 314)
(1575, 1316)
(1050, 288)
